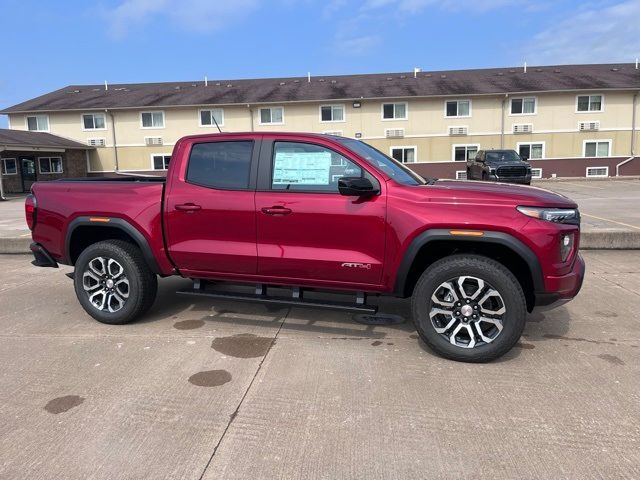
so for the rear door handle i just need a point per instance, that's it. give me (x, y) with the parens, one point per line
(188, 207)
(276, 210)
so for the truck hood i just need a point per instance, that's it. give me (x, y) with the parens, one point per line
(466, 191)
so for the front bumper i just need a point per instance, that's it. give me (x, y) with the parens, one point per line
(42, 257)
(526, 180)
(563, 288)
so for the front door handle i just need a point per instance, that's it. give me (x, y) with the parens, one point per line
(188, 207)
(276, 210)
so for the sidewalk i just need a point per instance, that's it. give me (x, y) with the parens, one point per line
(610, 219)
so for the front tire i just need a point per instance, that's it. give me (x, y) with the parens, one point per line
(113, 282)
(469, 308)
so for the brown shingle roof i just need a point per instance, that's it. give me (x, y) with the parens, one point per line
(341, 87)
(22, 138)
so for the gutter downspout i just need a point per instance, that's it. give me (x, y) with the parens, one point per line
(250, 115)
(504, 101)
(115, 144)
(633, 136)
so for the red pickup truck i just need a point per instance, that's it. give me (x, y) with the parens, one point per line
(315, 212)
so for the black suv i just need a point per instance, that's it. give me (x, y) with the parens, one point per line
(500, 166)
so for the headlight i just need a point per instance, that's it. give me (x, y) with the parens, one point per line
(569, 216)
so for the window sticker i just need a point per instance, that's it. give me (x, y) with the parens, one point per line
(302, 168)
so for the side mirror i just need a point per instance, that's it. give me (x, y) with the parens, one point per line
(524, 158)
(356, 187)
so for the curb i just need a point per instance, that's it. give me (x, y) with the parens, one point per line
(610, 240)
(607, 240)
(15, 244)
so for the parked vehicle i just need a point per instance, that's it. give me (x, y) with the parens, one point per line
(315, 212)
(499, 166)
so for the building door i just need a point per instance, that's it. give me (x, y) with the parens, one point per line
(28, 170)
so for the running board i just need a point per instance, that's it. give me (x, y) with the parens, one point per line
(295, 300)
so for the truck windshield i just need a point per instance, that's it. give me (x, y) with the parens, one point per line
(503, 156)
(391, 167)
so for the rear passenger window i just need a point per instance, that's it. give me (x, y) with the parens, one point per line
(224, 165)
(307, 167)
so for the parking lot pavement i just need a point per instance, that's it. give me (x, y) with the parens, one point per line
(605, 205)
(12, 222)
(213, 389)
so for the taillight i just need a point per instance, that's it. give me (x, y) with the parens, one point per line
(30, 210)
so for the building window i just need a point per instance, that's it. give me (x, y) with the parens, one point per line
(597, 148)
(332, 113)
(152, 119)
(272, 116)
(404, 154)
(533, 151)
(523, 106)
(161, 161)
(394, 111)
(38, 123)
(93, 121)
(458, 108)
(589, 103)
(462, 153)
(9, 166)
(48, 165)
(207, 117)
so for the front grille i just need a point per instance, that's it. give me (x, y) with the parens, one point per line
(511, 172)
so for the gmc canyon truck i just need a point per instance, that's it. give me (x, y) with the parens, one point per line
(315, 212)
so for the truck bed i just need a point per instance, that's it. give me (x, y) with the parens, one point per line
(137, 200)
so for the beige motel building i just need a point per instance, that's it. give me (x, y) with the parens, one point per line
(569, 120)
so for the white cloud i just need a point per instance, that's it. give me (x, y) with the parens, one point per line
(357, 45)
(606, 34)
(415, 6)
(194, 15)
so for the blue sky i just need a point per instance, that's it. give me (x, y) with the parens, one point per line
(75, 42)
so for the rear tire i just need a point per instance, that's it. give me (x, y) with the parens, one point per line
(443, 307)
(113, 282)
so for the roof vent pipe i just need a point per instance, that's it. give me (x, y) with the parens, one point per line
(308, 77)
(636, 63)
(525, 67)
(206, 81)
(416, 71)
(106, 86)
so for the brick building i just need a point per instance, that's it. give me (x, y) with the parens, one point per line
(26, 157)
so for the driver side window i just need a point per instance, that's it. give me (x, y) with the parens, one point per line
(307, 167)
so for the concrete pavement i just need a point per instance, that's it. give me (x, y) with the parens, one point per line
(212, 389)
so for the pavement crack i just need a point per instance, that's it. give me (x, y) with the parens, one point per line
(246, 392)
(618, 285)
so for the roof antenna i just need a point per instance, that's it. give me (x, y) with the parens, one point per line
(206, 81)
(106, 87)
(309, 76)
(525, 67)
(213, 117)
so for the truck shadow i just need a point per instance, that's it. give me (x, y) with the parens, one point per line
(170, 304)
